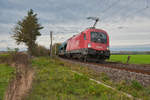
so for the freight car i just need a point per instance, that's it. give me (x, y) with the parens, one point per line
(90, 44)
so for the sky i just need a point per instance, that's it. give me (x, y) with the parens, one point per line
(126, 21)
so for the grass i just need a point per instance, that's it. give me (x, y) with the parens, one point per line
(6, 73)
(4, 55)
(55, 81)
(132, 87)
(134, 59)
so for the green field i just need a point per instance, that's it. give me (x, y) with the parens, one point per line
(134, 59)
(55, 81)
(6, 73)
(132, 87)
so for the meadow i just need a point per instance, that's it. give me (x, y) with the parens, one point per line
(6, 74)
(55, 81)
(134, 59)
(132, 87)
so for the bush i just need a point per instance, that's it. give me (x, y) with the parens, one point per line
(136, 85)
(104, 77)
(12, 51)
(15, 57)
(5, 58)
(9, 56)
(55, 47)
(40, 51)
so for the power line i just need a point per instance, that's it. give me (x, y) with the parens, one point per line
(124, 7)
(147, 4)
(120, 8)
(137, 11)
(110, 6)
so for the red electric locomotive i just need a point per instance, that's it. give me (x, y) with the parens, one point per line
(92, 43)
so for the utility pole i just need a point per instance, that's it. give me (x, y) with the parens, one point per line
(51, 43)
(55, 48)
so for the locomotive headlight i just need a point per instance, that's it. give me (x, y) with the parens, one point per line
(107, 47)
(89, 45)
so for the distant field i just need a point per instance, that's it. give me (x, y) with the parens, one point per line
(4, 54)
(134, 59)
(6, 73)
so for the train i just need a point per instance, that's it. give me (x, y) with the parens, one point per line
(90, 44)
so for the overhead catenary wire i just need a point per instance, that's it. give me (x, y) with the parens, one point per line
(147, 4)
(127, 14)
(132, 13)
(139, 10)
(110, 6)
(115, 12)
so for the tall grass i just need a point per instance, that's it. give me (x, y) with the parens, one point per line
(6, 73)
(55, 81)
(132, 87)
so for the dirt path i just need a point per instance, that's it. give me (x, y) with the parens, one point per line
(21, 84)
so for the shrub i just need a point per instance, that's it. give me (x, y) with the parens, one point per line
(8, 57)
(12, 51)
(20, 58)
(13, 56)
(104, 77)
(40, 51)
(136, 85)
(55, 48)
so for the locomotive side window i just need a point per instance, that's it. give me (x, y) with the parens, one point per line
(98, 37)
(84, 36)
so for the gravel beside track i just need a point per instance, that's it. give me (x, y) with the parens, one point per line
(118, 71)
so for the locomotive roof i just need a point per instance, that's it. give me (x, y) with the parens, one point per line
(88, 29)
(94, 29)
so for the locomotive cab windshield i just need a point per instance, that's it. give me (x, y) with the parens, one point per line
(98, 37)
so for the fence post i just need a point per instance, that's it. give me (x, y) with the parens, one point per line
(128, 59)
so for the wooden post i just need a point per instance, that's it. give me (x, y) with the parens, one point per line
(128, 59)
(55, 48)
(51, 43)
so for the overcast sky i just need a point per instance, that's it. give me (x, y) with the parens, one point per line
(126, 21)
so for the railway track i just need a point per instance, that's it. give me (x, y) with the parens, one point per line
(143, 69)
(126, 67)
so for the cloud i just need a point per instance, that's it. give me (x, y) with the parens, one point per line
(7, 41)
(126, 21)
(134, 31)
(6, 28)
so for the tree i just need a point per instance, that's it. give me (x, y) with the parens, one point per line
(27, 30)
